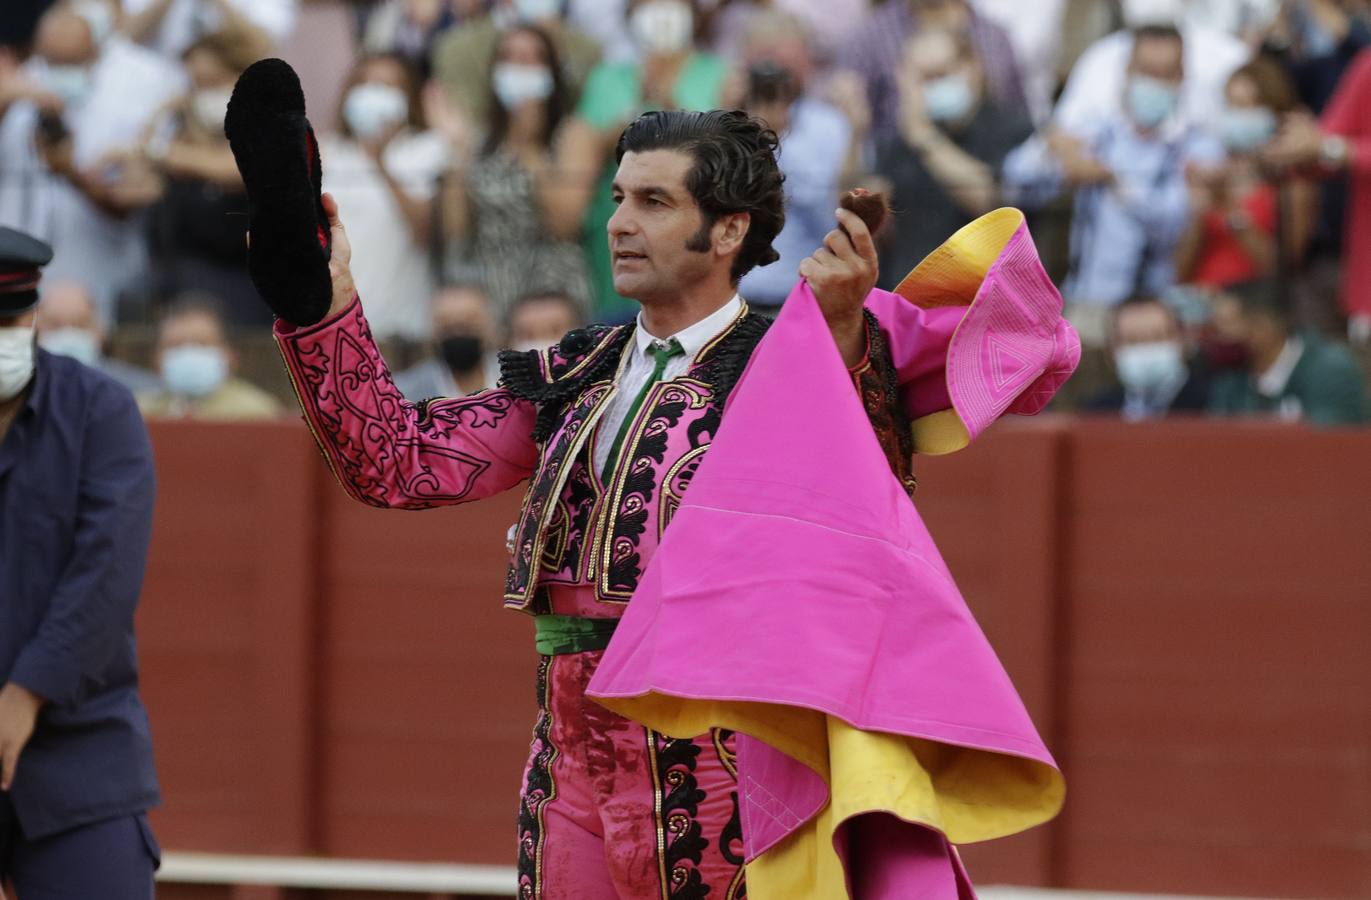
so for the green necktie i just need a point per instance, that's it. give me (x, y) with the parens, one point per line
(661, 354)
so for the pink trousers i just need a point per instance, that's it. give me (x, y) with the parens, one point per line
(610, 809)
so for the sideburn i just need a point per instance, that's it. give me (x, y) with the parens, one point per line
(700, 241)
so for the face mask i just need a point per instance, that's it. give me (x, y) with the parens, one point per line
(1151, 102)
(81, 345)
(662, 27)
(1246, 129)
(211, 106)
(537, 10)
(948, 99)
(516, 84)
(71, 83)
(372, 108)
(461, 352)
(16, 360)
(194, 370)
(1146, 367)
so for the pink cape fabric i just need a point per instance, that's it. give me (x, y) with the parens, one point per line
(797, 572)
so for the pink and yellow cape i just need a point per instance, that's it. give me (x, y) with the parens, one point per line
(798, 599)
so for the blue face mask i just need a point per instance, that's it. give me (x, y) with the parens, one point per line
(194, 370)
(1150, 101)
(1244, 130)
(948, 99)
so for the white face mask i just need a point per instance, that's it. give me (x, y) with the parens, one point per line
(372, 108)
(948, 99)
(99, 18)
(1148, 367)
(537, 10)
(194, 370)
(16, 360)
(516, 84)
(211, 106)
(662, 27)
(71, 83)
(81, 345)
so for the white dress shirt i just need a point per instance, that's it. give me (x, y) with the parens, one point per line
(637, 369)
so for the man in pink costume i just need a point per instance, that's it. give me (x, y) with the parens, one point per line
(610, 427)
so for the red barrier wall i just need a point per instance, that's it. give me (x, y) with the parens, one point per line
(1183, 608)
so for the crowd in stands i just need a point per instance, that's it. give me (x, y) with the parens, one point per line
(1197, 173)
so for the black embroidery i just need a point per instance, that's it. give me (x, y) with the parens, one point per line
(679, 835)
(538, 792)
(880, 394)
(553, 389)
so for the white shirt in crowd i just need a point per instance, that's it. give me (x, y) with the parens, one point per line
(1095, 89)
(393, 272)
(187, 20)
(638, 369)
(129, 85)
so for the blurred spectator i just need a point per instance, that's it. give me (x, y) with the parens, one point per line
(383, 169)
(1292, 376)
(198, 224)
(818, 145)
(171, 26)
(508, 207)
(1099, 77)
(462, 57)
(465, 341)
(1342, 144)
(1317, 40)
(537, 321)
(876, 52)
(1154, 377)
(1234, 207)
(672, 74)
(197, 367)
(829, 23)
(409, 28)
(1128, 170)
(77, 103)
(944, 162)
(68, 326)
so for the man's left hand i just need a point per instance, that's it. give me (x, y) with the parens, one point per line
(18, 712)
(841, 273)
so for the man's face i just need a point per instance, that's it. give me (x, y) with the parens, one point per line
(656, 225)
(1145, 323)
(23, 320)
(1158, 58)
(66, 305)
(65, 39)
(541, 322)
(191, 328)
(462, 310)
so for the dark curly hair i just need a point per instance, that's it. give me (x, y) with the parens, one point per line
(734, 170)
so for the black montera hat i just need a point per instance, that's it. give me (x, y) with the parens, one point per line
(21, 261)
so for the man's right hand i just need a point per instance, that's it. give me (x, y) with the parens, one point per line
(343, 287)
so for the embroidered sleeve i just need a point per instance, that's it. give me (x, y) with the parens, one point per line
(389, 452)
(877, 385)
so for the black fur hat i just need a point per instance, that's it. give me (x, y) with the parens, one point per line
(278, 156)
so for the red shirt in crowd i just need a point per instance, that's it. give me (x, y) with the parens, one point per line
(1222, 259)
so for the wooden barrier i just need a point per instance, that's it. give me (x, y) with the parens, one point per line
(1182, 606)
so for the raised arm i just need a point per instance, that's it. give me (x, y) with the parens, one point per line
(385, 450)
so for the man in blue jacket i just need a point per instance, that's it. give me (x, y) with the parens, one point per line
(76, 493)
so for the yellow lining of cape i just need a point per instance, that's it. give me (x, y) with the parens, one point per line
(951, 276)
(968, 795)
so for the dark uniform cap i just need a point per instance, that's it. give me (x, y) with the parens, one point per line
(21, 259)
